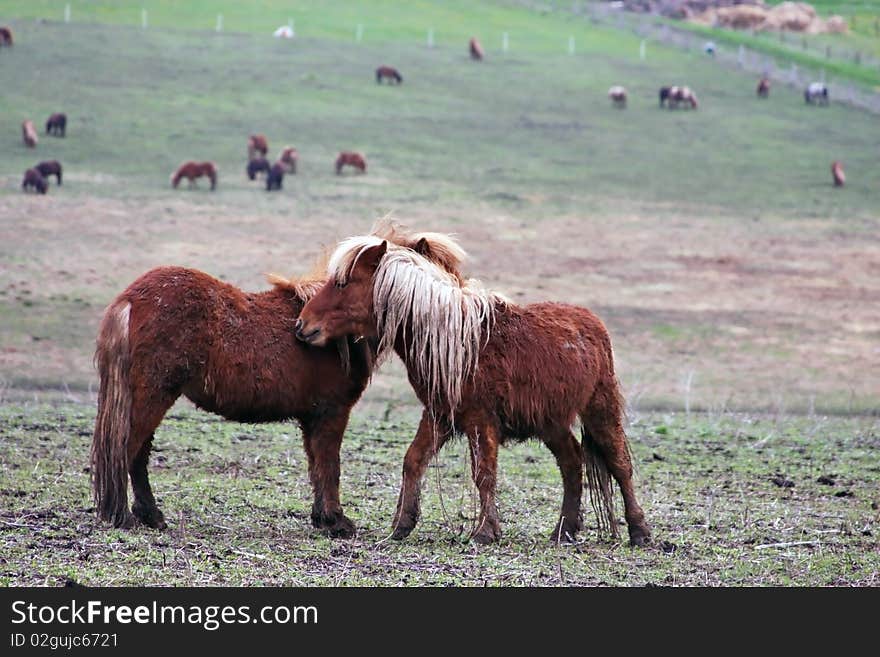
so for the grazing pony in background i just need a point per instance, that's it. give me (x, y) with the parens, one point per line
(837, 173)
(275, 177)
(50, 168)
(681, 95)
(476, 50)
(288, 158)
(617, 95)
(388, 73)
(816, 94)
(664, 95)
(192, 170)
(56, 125)
(258, 165)
(6, 36)
(257, 146)
(29, 134)
(486, 367)
(352, 159)
(34, 180)
(177, 331)
(763, 89)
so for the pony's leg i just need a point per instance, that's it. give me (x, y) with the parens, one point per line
(569, 458)
(603, 424)
(322, 438)
(146, 414)
(484, 439)
(430, 437)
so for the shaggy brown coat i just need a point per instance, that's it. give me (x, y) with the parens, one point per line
(350, 158)
(388, 73)
(34, 180)
(50, 168)
(6, 36)
(192, 170)
(56, 124)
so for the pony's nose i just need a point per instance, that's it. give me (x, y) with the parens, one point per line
(298, 326)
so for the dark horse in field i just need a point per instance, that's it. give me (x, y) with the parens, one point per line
(352, 159)
(34, 180)
(258, 165)
(56, 125)
(177, 331)
(5, 36)
(192, 170)
(763, 89)
(50, 168)
(488, 368)
(275, 177)
(388, 73)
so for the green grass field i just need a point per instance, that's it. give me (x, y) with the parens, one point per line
(735, 280)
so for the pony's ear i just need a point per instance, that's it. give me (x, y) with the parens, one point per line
(371, 257)
(422, 247)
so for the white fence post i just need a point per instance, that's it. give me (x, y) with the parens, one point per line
(219, 27)
(67, 13)
(430, 37)
(642, 50)
(359, 33)
(144, 19)
(292, 27)
(505, 42)
(571, 45)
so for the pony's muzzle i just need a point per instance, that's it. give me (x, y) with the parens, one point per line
(305, 336)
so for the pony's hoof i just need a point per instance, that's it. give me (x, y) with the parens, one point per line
(127, 522)
(151, 517)
(639, 537)
(565, 532)
(342, 528)
(401, 532)
(486, 537)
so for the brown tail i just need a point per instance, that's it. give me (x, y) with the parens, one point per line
(109, 457)
(599, 483)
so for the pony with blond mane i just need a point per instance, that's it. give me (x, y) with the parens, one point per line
(837, 173)
(29, 134)
(486, 367)
(193, 170)
(180, 332)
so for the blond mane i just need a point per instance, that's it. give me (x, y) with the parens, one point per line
(447, 318)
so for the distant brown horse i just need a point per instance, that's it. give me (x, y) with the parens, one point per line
(34, 180)
(489, 368)
(388, 73)
(192, 170)
(255, 166)
(837, 173)
(275, 177)
(288, 158)
(763, 89)
(6, 36)
(257, 146)
(29, 134)
(56, 124)
(177, 331)
(352, 159)
(681, 95)
(50, 168)
(475, 49)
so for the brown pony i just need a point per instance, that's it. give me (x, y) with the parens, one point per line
(177, 331)
(288, 158)
(837, 173)
(390, 73)
(192, 170)
(489, 368)
(6, 36)
(34, 180)
(681, 95)
(275, 177)
(50, 168)
(763, 90)
(56, 124)
(475, 49)
(350, 158)
(617, 94)
(257, 146)
(29, 134)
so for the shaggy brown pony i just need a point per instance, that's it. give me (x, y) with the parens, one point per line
(489, 368)
(29, 134)
(177, 331)
(5, 36)
(34, 180)
(56, 125)
(258, 165)
(288, 158)
(257, 146)
(350, 158)
(681, 95)
(475, 49)
(837, 173)
(192, 170)
(50, 168)
(763, 90)
(617, 95)
(388, 73)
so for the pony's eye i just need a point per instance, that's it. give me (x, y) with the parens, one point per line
(341, 284)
